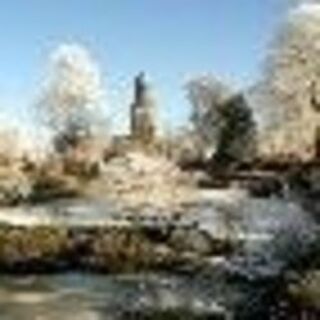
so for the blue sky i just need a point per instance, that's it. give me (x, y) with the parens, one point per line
(170, 39)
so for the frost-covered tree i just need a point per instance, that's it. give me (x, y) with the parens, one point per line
(73, 95)
(237, 136)
(291, 84)
(206, 95)
(222, 119)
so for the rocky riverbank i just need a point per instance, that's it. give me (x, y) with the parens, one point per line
(95, 237)
(45, 249)
(241, 251)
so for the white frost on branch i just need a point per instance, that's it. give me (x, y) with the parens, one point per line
(222, 121)
(73, 85)
(291, 85)
(206, 94)
(311, 9)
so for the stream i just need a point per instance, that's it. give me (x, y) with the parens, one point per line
(272, 237)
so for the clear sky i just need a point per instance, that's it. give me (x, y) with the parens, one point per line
(170, 39)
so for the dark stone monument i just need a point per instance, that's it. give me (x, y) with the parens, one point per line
(317, 144)
(142, 112)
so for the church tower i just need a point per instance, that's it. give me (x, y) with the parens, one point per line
(143, 129)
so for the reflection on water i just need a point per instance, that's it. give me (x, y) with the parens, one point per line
(92, 297)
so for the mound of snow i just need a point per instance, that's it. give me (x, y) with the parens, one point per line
(137, 179)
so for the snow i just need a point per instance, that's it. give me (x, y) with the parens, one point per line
(137, 179)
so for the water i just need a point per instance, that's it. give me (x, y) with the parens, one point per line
(93, 297)
(274, 236)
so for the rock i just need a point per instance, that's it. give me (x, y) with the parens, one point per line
(191, 240)
(266, 187)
